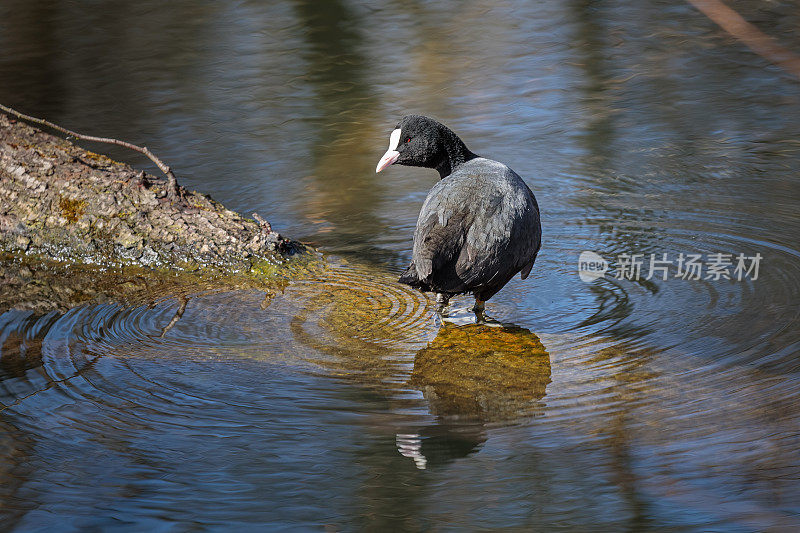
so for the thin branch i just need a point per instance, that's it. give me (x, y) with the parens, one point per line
(173, 191)
(759, 42)
(51, 383)
(177, 316)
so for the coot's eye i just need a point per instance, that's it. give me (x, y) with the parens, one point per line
(408, 140)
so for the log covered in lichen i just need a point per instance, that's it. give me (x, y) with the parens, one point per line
(61, 202)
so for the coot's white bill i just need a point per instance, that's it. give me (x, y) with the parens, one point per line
(391, 154)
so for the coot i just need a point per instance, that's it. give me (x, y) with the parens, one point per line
(478, 227)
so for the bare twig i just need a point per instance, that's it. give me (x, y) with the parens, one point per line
(759, 42)
(173, 191)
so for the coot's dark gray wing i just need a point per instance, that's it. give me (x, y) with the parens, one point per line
(477, 228)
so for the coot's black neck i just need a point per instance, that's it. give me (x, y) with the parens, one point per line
(453, 152)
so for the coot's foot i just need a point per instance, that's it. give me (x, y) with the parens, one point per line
(442, 301)
(485, 320)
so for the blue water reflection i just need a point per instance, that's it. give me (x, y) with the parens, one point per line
(641, 127)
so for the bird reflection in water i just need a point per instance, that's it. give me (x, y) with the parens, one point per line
(474, 375)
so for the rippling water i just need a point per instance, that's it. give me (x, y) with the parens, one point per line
(340, 400)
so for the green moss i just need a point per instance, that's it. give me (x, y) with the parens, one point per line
(264, 269)
(98, 157)
(71, 209)
(40, 284)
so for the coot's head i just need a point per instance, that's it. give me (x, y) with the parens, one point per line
(420, 141)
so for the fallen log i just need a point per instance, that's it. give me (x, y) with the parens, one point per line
(61, 202)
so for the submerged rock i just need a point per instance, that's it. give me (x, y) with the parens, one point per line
(482, 372)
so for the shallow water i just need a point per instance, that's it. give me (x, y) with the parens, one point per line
(341, 401)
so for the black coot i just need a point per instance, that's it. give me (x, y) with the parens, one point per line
(479, 225)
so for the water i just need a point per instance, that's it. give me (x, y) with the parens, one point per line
(340, 402)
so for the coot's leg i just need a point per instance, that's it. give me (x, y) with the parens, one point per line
(480, 317)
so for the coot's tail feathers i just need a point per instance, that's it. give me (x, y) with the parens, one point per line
(410, 277)
(526, 270)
